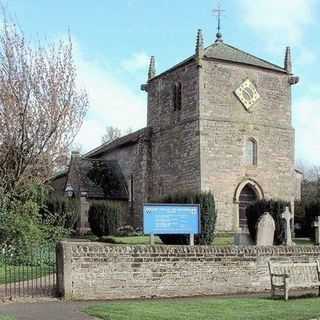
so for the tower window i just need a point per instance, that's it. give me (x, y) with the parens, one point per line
(130, 191)
(251, 152)
(177, 96)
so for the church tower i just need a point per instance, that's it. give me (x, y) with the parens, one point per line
(246, 134)
(221, 121)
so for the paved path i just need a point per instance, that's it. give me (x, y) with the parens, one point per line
(46, 310)
(43, 286)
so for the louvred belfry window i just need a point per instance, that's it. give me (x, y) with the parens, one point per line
(177, 96)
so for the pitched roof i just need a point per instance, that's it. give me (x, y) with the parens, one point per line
(99, 179)
(223, 51)
(103, 179)
(128, 139)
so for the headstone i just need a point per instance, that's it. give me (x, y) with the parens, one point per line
(316, 225)
(265, 230)
(287, 216)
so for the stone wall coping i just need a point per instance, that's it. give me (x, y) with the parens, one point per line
(197, 250)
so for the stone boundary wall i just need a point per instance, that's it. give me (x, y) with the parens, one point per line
(90, 270)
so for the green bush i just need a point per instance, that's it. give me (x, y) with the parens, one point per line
(312, 211)
(275, 208)
(208, 217)
(61, 211)
(300, 219)
(104, 218)
(22, 226)
(20, 221)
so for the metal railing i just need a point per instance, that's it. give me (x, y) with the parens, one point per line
(28, 273)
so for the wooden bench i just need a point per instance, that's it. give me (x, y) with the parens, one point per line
(285, 276)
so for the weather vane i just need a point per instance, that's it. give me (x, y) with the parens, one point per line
(218, 13)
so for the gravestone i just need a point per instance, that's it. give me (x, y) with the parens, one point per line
(287, 216)
(265, 230)
(316, 225)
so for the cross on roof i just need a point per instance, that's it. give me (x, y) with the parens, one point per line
(218, 13)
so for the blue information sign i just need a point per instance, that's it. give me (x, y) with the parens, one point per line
(171, 219)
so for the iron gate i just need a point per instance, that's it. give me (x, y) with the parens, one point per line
(28, 273)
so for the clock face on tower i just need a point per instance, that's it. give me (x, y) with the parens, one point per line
(247, 94)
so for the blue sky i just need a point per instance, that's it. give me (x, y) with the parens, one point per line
(114, 39)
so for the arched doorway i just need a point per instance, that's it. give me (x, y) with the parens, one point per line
(247, 196)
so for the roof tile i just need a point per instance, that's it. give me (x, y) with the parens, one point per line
(223, 51)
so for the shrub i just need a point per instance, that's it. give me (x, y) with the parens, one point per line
(275, 208)
(301, 227)
(61, 211)
(208, 217)
(22, 226)
(126, 230)
(104, 217)
(312, 211)
(305, 213)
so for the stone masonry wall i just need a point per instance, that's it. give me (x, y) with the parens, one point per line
(225, 126)
(134, 159)
(100, 271)
(175, 133)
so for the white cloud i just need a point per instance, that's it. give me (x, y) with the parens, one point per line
(279, 22)
(306, 122)
(136, 62)
(90, 134)
(306, 57)
(111, 102)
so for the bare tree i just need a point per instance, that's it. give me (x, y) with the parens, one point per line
(41, 108)
(311, 182)
(112, 133)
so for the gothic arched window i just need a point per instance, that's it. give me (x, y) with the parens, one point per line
(177, 96)
(251, 152)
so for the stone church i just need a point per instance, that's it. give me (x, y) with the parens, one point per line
(220, 120)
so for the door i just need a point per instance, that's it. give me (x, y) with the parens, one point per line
(247, 197)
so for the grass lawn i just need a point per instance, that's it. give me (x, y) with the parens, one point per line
(223, 240)
(209, 309)
(6, 317)
(21, 273)
(303, 242)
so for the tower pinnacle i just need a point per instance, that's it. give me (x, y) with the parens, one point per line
(152, 68)
(199, 47)
(287, 60)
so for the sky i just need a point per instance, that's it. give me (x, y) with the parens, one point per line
(113, 41)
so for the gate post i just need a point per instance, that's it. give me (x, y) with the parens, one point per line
(64, 269)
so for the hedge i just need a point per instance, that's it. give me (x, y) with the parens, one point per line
(275, 208)
(104, 218)
(305, 215)
(62, 211)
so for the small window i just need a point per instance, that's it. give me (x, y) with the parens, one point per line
(251, 152)
(177, 96)
(130, 191)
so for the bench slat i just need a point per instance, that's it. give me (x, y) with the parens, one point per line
(285, 275)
